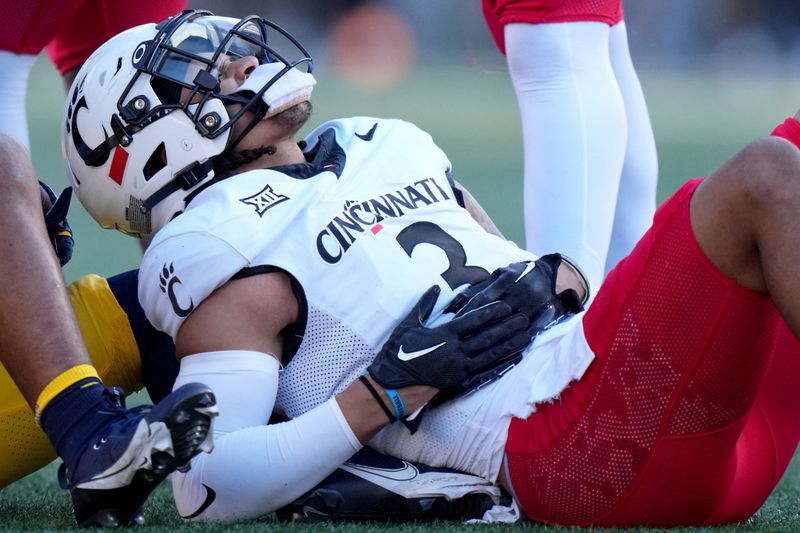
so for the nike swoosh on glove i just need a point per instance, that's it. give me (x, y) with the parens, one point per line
(529, 288)
(450, 355)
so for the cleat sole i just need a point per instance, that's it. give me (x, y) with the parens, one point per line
(163, 444)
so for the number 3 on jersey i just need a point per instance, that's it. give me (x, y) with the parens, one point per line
(458, 273)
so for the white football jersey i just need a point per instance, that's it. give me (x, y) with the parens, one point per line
(364, 228)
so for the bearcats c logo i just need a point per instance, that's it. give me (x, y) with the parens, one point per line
(93, 157)
(167, 282)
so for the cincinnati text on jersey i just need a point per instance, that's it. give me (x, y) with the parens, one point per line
(356, 217)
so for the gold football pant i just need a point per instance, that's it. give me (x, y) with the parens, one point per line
(24, 448)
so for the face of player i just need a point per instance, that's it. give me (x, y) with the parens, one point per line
(210, 56)
(231, 73)
(210, 43)
(234, 71)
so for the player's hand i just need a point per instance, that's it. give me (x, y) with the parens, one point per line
(528, 287)
(450, 355)
(55, 219)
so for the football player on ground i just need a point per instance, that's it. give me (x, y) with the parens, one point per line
(586, 131)
(126, 350)
(670, 401)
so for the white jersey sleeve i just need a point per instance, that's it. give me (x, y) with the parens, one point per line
(256, 468)
(221, 233)
(178, 273)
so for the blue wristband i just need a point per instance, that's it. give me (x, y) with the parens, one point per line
(397, 402)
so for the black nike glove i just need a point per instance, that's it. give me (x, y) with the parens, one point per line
(449, 355)
(55, 219)
(529, 288)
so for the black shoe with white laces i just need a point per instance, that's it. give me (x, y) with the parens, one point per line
(138, 448)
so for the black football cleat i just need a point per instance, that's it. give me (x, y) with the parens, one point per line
(137, 450)
(374, 487)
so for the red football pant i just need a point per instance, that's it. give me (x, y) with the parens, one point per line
(689, 414)
(73, 29)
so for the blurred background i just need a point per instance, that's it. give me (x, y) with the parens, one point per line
(716, 73)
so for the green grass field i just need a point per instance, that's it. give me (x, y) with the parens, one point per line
(698, 122)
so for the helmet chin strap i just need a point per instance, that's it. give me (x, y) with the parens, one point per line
(185, 179)
(259, 112)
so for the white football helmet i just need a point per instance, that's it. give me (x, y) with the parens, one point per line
(145, 115)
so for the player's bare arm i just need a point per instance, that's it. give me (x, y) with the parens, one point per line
(243, 314)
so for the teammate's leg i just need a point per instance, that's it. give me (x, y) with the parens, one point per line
(649, 434)
(42, 350)
(37, 325)
(636, 200)
(744, 219)
(762, 182)
(574, 134)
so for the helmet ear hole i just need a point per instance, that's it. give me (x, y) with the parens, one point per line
(156, 161)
